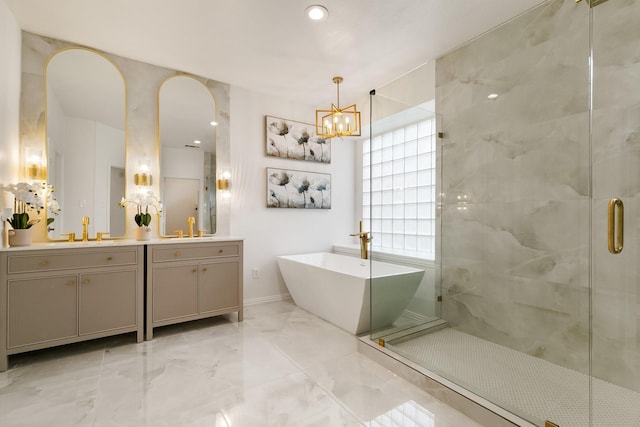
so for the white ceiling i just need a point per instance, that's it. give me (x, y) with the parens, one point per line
(270, 46)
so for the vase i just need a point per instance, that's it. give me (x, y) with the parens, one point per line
(143, 233)
(20, 237)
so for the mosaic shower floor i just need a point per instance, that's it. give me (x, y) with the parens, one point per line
(535, 389)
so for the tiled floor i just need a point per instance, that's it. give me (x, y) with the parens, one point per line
(534, 388)
(280, 367)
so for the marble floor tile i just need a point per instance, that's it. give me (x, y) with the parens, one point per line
(280, 367)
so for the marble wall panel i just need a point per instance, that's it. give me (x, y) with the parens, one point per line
(616, 173)
(524, 236)
(515, 214)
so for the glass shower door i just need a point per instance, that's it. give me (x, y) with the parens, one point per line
(615, 142)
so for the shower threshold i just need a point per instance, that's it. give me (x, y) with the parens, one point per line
(517, 382)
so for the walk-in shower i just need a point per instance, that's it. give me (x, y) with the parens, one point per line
(508, 181)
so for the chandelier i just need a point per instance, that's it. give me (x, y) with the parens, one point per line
(338, 121)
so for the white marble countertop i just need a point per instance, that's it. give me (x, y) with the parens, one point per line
(120, 242)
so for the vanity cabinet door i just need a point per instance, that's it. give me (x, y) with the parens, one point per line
(107, 301)
(42, 310)
(219, 285)
(175, 291)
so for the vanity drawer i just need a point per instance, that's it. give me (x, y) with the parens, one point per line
(50, 261)
(192, 251)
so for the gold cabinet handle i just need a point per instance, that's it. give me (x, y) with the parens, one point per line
(85, 281)
(615, 226)
(195, 270)
(220, 251)
(177, 253)
(44, 262)
(204, 269)
(70, 282)
(109, 258)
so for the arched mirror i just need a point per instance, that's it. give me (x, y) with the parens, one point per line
(187, 155)
(85, 125)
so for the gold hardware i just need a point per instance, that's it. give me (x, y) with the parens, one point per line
(190, 221)
(338, 121)
(45, 262)
(180, 234)
(142, 179)
(70, 282)
(100, 234)
(85, 281)
(615, 235)
(109, 258)
(549, 423)
(85, 228)
(440, 135)
(381, 342)
(201, 232)
(177, 253)
(439, 298)
(223, 184)
(204, 269)
(365, 238)
(72, 236)
(220, 251)
(195, 270)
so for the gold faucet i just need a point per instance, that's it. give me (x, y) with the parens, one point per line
(191, 220)
(365, 238)
(85, 228)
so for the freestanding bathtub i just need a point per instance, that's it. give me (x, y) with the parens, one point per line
(337, 288)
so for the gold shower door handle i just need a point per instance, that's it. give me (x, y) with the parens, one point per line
(615, 229)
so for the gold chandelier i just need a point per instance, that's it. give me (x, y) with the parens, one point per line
(338, 121)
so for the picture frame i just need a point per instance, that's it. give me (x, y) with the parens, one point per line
(289, 139)
(298, 189)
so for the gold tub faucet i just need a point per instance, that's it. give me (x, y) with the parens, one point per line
(365, 238)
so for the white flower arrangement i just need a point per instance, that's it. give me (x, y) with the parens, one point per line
(143, 200)
(31, 197)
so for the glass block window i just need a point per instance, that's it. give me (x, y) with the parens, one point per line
(399, 189)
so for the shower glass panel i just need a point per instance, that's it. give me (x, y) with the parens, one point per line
(399, 182)
(615, 139)
(512, 250)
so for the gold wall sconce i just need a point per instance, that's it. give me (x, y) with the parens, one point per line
(34, 169)
(143, 176)
(224, 183)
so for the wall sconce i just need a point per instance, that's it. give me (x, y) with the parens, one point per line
(224, 183)
(143, 177)
(33, 163)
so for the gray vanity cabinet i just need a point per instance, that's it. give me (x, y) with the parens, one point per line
(195, 280)
(58, 296)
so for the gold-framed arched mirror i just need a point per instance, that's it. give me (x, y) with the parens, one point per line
(86, 143)
(187, 135)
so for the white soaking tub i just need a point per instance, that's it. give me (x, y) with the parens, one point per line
(337, 288)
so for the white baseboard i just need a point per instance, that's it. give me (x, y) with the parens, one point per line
(270, 298)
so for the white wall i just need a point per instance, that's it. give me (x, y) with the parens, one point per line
(10, 45)
(272, 232)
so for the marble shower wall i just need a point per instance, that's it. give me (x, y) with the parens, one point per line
(515, 176)
(616, 173)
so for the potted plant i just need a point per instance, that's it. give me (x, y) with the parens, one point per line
(29, 197)
(143, 201)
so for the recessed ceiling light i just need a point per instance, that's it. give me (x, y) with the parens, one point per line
(196, 142)
(317, 12)
(213, 123)
(493, 96)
